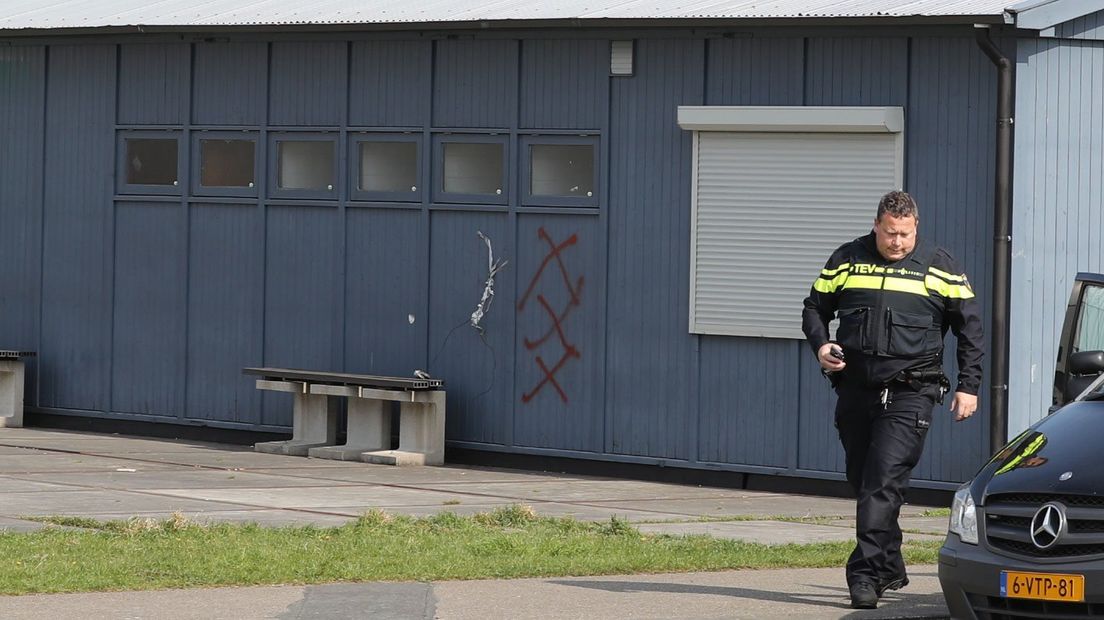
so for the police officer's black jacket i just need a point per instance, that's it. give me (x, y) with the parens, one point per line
(894, 315)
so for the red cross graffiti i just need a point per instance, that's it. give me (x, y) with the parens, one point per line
(556, 319)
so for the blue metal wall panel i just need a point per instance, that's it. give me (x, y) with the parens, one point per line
(154, 83)
(950, 137)
(77, 228)
(478, 372)
(755, 71)
(309, 82)
(818, 447)
(857, 71)
(475, 84)
(303, 312)
(1058, 189)
(148, 348)
(559, 348)
(748, 400)
(22, 99)
(564, 84)
(389, 83)
(386, 284)
(230, 83)
(1090, 27)
(225, 311)
(651, 362)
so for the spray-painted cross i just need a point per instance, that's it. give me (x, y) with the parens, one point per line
(557, 320)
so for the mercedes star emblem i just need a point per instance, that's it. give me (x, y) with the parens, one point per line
(1065, 476)
(1048, 525)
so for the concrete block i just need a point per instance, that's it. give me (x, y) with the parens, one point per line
(368, 429)
(314, 424)
(11, 394)
(421, 433)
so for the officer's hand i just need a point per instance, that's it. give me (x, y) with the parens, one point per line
(827, 361)
(964, 405)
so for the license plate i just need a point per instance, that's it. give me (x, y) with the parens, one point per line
(1042, 586)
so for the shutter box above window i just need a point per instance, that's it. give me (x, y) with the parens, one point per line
(775, 191)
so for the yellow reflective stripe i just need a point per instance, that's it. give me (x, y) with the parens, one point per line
(905, 285)
(822, 285)
(855, 281)
(946, 276)
(955, 291)
(828, 273)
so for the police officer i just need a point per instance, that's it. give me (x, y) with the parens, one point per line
(895, 297)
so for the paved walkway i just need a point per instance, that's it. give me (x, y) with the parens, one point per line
(114, 477)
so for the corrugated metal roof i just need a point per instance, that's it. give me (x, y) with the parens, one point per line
(53, 14)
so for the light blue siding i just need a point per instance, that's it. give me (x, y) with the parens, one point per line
(475, 84)
(308, 83)
(1057, 194)
(154, 83)
(22, 100)
(74, 362)
(389, 83)
(230, 84)
(564, 84)
(1089, 27)
(148, 349)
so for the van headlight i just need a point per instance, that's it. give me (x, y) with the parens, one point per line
(964, 515)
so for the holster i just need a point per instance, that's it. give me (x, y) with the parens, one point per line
(917, 378)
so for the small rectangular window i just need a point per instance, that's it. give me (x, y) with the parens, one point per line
(564, 170)
(473, 168)
(151, 161)
(227, 163)
(388, 167)
(303, 166)
(560, 171)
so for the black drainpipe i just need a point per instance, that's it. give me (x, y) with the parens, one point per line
(1002, 246)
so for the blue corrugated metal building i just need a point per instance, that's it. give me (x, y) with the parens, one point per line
(185, 196)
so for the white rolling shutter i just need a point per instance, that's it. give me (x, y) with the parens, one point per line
(768, 209)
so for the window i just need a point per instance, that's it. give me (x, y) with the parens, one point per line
(149, 162)
(386, 167)
(303, 166)
(473, 169)
(1090, 320)
(774, 191)
(224, 163)
(559, 171)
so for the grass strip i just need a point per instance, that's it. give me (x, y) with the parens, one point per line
(510, 542)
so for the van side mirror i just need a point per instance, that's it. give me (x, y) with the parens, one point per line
(1087, 363)
(1085, 367)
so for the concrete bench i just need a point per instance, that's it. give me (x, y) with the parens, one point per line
(368, 429)
(11, 388)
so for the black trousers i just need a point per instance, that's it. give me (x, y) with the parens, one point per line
(882, 444)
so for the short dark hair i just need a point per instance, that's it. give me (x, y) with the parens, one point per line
(898, 204)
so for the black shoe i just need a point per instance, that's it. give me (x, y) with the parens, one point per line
(893, 584)
(863, 595)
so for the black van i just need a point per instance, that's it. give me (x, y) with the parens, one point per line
(1026, 535)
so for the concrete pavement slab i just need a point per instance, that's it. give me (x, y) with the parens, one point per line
(551, 489)
(19, 451)
(757, 506)
(62, 462)
(768, 532)
(930, 525)
(361, 497)
(815, 594)
(88, 502)
(178, 478)
(387, 474)
(111, 445)
(260, 516)
(236, 459)
(18, 483)
(10, 524)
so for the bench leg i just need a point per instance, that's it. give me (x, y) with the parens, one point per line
(314, 424)
(368, 429)
(11, 394)
(421, 435)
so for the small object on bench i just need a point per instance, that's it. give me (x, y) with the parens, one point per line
(11, 388)
(368, 435)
